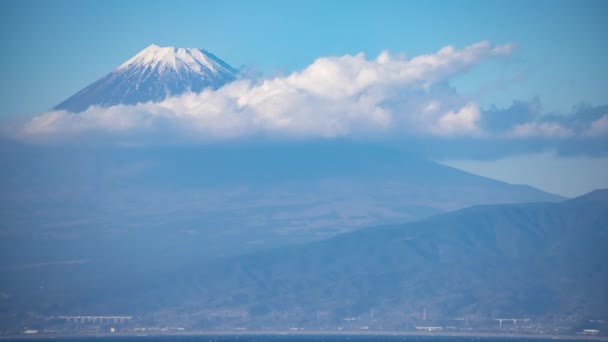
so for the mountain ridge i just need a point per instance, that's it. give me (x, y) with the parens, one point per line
(536, 257)
(532, 260)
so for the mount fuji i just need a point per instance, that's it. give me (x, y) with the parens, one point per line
(154, 74)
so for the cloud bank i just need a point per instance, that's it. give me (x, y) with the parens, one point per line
(390, 96)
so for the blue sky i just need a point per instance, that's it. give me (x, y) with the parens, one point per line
(52, 49)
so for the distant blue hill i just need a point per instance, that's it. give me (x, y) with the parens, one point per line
(88, 216)
(257, 194)
(535, 260)
(538, 260)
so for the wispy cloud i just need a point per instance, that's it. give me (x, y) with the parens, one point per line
(541, 129)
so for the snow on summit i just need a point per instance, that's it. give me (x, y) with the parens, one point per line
(153, 74)
(188, 59)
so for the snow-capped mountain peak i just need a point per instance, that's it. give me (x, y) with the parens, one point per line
(154, 74)
(191, 59)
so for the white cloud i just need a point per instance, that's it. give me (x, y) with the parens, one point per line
(463, 121)
(334, 96)
(431, 107)
(598, 127)
(540, 129)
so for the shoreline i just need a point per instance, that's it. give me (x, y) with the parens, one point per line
(202, 333)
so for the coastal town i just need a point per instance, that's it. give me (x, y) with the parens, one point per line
(227, 322)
